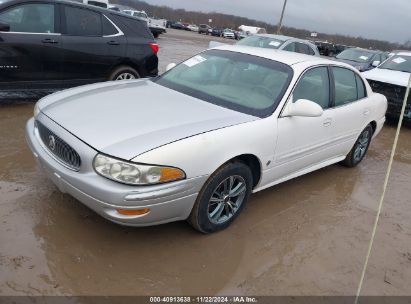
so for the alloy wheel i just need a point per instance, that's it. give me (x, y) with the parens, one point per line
(227, 199)
(361, 146)
(125, 76)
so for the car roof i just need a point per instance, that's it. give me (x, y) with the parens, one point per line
(281, 37)
(289, 58)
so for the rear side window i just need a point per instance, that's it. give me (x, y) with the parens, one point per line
(360, 88)
(108, 27)
(30, 18)
(132, 26)
(82, 22)
(314, 85)
(345, 86)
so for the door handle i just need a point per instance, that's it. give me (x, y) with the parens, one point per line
(327, 122)
(112, 42)
(366, 112)
(49, 40)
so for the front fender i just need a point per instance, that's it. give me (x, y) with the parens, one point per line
(203, 154)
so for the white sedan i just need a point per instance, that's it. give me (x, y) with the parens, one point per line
(194, 143)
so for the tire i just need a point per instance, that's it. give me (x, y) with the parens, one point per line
(124, 71)
(360, 148)
(211, 216)
(156, 35)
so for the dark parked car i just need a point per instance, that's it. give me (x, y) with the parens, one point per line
(177, 26)
(57, 44)
(204, 29)
(326, 48)
(362, 59)
(218, 32)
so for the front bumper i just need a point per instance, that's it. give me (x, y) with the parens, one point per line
(167, 202)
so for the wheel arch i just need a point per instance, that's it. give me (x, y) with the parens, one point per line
(253, 162)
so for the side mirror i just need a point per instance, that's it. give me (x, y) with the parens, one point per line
(376, 63)
(4, 27)
(170, 66)
(303, 108)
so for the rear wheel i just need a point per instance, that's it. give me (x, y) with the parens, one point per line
(360, 148)
(222, 198)
(124, 73)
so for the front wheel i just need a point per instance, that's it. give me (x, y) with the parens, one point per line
(222, 198)
(360, 148)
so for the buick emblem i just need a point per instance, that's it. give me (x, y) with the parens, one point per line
(52, 143)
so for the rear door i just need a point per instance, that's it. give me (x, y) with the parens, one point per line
(89, 53)
(30, 51)
(351, 109)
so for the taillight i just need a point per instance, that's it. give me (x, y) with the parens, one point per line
(154, 47)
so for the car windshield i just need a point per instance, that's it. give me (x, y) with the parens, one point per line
(241, 82)
(398, 63)
(356, 55)
(262, 42)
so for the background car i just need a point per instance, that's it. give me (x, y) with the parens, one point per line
(204, 29)
(57, 44)
(326, 48)
(264, 117)
(391, 79)
(362, 59)
(192, 28)
(229, 33)
(217, 32)
(279, 42)
(177, 26)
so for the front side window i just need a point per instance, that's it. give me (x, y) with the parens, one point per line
(345, 86)
(261, 42)
(241, 82)
(82, 22)
(30, 18)
(314, 85)
(290, 47)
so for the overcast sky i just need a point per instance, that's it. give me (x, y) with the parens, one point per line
(381, 19)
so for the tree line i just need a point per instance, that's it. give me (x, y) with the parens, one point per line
(233, 22)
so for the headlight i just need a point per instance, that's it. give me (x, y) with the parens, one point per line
(36, 110)
(135, 174)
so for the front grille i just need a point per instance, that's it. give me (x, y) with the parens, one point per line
(59, 148)
(395, 96)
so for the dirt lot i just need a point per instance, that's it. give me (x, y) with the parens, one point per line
(308, 236)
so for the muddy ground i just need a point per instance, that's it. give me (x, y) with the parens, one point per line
(308, 236)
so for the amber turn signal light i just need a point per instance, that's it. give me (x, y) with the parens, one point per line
(133, 212)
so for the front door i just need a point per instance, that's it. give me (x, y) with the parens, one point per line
(30, 49)
(303, 141)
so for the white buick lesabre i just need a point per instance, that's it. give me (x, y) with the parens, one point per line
(194, 143)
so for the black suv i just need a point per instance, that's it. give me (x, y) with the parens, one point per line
(48, 44)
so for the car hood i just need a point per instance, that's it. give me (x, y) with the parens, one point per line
(388, 76)
(125, 119)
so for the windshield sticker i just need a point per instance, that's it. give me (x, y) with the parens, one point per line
(194, 61)
(399, 60)
(364, 57)
(274, 43)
